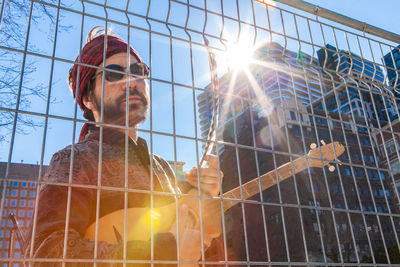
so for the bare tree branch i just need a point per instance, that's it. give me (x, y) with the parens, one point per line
(12, 34)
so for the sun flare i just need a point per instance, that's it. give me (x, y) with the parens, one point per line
(238, 55)
(268, 2)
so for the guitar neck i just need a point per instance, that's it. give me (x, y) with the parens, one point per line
(267, 180)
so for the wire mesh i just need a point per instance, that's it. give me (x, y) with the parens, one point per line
(305, 119)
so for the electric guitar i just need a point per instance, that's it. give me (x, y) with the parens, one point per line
(141, 222)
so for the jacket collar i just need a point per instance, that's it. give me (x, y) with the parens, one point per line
(113, 137)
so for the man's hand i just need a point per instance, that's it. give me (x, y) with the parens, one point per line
(209, 176)
(189, 238)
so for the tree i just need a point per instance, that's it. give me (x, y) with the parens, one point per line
(13, 27)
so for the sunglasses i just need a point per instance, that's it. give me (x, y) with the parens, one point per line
(113, 72)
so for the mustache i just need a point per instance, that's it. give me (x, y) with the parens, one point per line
(134, 92)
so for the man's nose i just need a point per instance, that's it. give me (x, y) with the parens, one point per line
(133, 83)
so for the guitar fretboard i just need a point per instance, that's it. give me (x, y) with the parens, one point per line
(267, 180)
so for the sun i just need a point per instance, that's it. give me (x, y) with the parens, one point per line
(238, 55)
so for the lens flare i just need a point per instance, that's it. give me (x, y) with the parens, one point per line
(267, 2)
(239, 55)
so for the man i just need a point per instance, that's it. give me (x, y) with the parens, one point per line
(111, 170)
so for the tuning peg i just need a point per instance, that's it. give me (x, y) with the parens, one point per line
(313, 145)
(331, 168)
(323, 142)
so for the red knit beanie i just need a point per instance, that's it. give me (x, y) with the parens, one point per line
(93, 54)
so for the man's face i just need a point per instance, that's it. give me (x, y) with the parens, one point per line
(116, 95)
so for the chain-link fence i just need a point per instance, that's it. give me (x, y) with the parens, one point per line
(301, 112)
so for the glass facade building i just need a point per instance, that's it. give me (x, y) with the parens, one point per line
(354, 86)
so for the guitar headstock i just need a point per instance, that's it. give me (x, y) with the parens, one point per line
(320, 156)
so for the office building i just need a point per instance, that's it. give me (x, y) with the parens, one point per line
(392, 64)
(283, 75)
(354, 85)
(19, 199)
(320, 215)
(316, 215)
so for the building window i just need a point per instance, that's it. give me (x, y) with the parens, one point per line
(335, 188)
(347, 170)
(22, 203)
(308, 187)
(296, 131)
(14, 193)
(375, 192)
(378, 159)
(367, 141)
(311, 204)
(15, 184)
(31, 203)
(32, 194)
(366, 191)
(316, 187)
(23, 193)
(379, 208)
(292, 115)
(13, 203)
(364, 208)
(24, 184)
(370, 175)
(21, 213)
(381, 192)
(383, 177)
(385, 208)
(371, 158)
(30, 213)
(315, 226)
(33, 185)
(1, 233)
(395, 166)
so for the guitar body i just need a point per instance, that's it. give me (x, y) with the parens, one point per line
(139, 221)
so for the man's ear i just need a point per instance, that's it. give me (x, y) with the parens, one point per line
(88, 102)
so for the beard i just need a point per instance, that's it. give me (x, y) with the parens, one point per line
(115, 111)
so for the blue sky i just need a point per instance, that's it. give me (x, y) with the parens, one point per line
(59, 134)
(382, 14)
